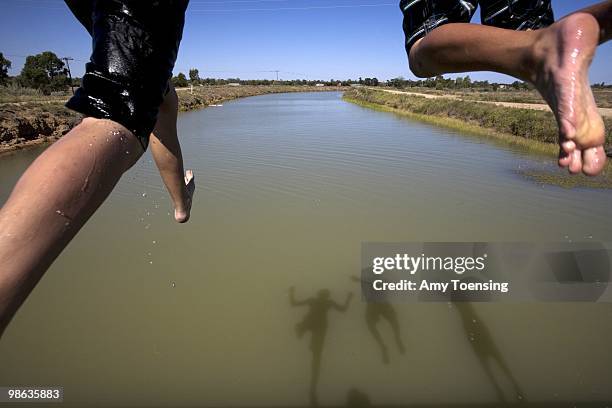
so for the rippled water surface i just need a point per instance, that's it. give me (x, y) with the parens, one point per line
(142, 311)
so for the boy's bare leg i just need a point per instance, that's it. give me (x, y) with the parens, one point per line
(166, 151)
(555, 59)
(53, 199)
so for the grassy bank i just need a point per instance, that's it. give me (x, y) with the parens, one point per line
(537, 128)
(603, 97)
(532, 131)
(32, 118)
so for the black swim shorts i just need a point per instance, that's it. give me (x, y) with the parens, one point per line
(135, 44)
(422, 16)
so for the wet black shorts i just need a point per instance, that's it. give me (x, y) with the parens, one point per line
(422, 16)
(135, 43)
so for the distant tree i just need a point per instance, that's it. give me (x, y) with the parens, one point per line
(467, 81)
(519, 85)
(4, 66)
(180, 81)
(194, 76)
(44, 71)
(397, 82)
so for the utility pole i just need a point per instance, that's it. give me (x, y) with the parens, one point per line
(69, 73)
(277, 71)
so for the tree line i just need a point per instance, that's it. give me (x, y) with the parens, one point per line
(48, 73)
(181, 80)
(440, 82)
(45, 72)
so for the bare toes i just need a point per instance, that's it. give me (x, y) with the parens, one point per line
(575, 165)
(564, 158)
(568, 146)
(594, 160)
(565, 153)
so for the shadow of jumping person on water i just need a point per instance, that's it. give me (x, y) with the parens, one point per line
(355, 398)
(316, 322)
(484, 346)
(374, 312)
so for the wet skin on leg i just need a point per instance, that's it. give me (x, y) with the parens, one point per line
(555, 59)
(166, 151)
(53, 199)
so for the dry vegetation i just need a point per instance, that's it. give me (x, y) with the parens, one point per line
(603, 96)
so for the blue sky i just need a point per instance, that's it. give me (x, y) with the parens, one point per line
(313, 39)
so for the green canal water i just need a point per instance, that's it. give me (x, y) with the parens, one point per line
(140, 311)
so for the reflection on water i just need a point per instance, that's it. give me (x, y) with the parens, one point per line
(140, 311)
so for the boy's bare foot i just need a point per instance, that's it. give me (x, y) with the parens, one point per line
(182, 212)
(563, 53)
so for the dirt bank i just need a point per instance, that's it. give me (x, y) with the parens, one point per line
(27, 125)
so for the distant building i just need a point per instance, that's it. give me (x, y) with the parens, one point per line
(233, 84)
(319, 85)
(356, 85)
